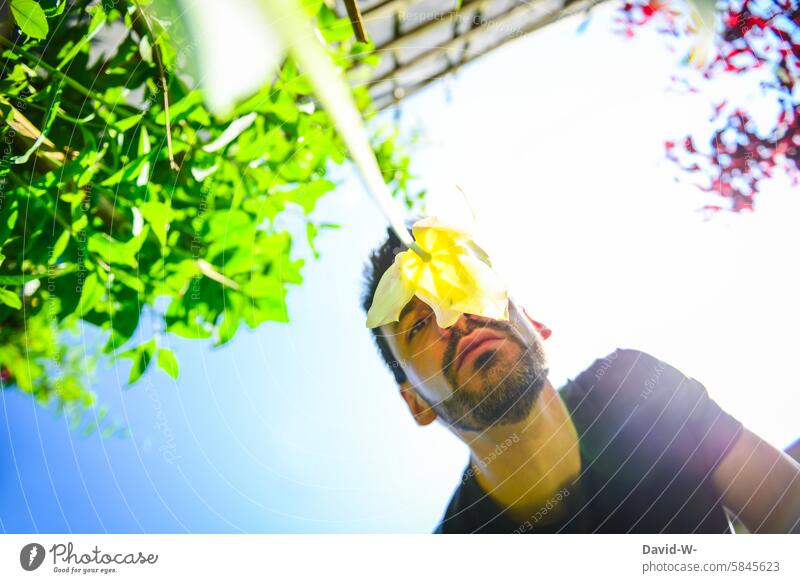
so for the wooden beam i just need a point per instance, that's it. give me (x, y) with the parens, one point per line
(435, 22)
(354, 12)
(386, 9)
(436, 51)
(389, 98)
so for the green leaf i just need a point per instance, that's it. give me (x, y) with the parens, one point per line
(95, 423)
(308, 194)
(99, 17)
(141, 356)
(124, 320)
(79, 224)
(23, 370)
(30, 18)
(91, 293)
(111, 251)
(129, 280)
(18, 279)
(10, 298)
(188, 330)
(129, 171)
(229, 323)
(158, 214)
(332, 27)
(53, 7)
(98, 20)
(168, 362)
(8, 218)
(127, 123)
(181, 108)
(59, 248)
(311, 235)
(146, 50)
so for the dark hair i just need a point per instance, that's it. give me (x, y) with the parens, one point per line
(379, 261)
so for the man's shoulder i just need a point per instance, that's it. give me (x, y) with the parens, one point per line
(632, 401)
(632, 389)
(629, 374)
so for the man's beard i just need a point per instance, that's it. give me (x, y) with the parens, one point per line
(508, 393)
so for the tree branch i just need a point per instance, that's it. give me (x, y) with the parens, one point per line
(163, 84)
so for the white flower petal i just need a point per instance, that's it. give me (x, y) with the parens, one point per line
(391, 296)
(479, 252)
(445, 315)
(421, 225)
(491, 299)
(457, 279)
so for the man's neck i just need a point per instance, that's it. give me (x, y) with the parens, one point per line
(524, 466)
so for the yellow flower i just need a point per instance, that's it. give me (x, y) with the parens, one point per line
(456, 279)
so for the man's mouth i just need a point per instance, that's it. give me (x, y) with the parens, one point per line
(475, 343)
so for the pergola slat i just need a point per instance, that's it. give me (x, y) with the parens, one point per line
(354, 12)
(442, 42)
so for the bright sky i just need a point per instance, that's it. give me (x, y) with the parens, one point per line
(558, 141)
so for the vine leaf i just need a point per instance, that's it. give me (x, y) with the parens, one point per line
(141, 357)
(91, 293)
(146, 50)
(30, 18)
(10, 298)
(167, 362)
(158, 215)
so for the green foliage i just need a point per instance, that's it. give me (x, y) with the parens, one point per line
(168, 362)
(30, 18)
(121, 192)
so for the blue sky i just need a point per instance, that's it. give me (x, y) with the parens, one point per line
(557, 140)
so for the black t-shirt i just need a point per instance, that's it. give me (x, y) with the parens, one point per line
(650, 438)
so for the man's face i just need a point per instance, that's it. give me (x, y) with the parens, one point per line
(477, 373)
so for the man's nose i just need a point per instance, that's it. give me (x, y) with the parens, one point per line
(466, 323)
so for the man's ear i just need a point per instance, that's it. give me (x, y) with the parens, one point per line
(422, 412)
(541, 328)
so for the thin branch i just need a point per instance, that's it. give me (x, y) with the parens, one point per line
(208, 270)
(164, 88)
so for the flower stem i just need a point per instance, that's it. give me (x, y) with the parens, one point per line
(334, 93)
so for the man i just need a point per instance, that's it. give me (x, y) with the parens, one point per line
(630, 445)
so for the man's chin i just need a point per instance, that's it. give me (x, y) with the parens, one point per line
(500, 404)
(503, 391)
